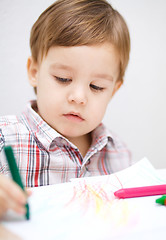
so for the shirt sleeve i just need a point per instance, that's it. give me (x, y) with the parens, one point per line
(3, 162)
(2, 140)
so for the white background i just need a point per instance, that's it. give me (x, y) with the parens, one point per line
(137, 112)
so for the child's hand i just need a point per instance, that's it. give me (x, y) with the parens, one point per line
(11, 196)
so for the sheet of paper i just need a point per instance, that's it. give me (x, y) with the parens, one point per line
(87, 209)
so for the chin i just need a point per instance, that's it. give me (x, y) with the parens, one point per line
(72, 134)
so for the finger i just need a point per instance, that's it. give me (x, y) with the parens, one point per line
(29, 191)
(8, 203)
(20, 209)
(3, 207)
(12, 189)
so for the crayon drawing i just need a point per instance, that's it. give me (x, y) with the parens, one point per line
(87, 208)
(98, 201)
(83, 205)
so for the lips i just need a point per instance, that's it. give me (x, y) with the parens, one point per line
(74, 117)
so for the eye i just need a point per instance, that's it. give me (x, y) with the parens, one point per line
(96, 88)
(62, 80)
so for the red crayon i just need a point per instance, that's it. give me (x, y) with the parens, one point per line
(141, 191)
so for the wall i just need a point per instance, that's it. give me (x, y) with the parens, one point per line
(137, 113)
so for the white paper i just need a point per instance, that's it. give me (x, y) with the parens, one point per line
(87, 209)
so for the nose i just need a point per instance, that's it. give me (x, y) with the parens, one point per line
(78, 95)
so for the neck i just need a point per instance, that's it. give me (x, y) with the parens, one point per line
(83, 143)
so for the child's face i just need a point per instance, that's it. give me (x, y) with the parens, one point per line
(74, 86)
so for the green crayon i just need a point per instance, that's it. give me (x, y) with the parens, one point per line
(15, 172)
(161, 200)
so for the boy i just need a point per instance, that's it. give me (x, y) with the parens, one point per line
(80, 50)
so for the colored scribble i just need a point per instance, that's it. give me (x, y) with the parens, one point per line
(96, 200)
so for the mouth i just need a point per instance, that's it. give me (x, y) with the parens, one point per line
(74, 117)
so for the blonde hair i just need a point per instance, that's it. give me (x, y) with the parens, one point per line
(80, 22)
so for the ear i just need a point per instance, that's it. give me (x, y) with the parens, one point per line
(118, 84)
(32, 70)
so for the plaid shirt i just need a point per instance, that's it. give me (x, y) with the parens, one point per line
(45, 157)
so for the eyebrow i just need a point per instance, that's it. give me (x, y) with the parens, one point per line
(66, 67)
(60, 66)
(103, 76)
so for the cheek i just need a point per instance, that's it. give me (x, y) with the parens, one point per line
(47, 91)
(99, 109)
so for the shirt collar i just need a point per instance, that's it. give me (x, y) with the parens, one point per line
(100, 137)
(48, 136)
(38, 127)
